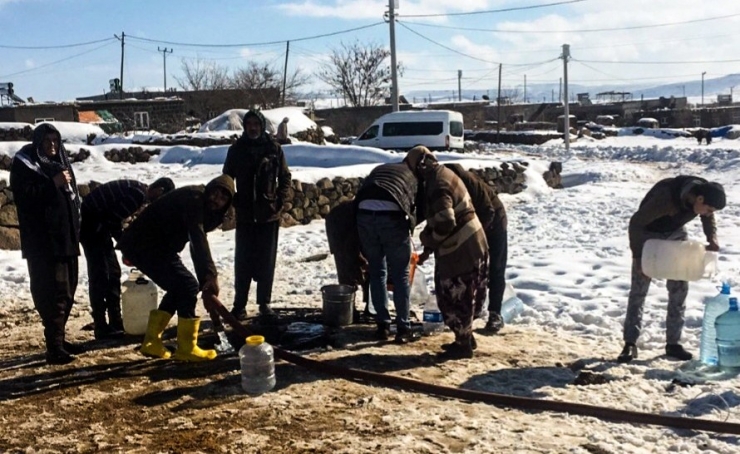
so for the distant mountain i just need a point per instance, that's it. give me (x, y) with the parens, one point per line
(549, 92)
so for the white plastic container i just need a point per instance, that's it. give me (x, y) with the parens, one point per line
(138, 298)
(678, 260)
(257, 365)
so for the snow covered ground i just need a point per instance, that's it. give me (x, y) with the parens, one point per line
(569, 262)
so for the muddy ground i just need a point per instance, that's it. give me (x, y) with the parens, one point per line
(114, 400)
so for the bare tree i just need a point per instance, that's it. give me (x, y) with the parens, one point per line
(202, 75)
(263, 76)
(358, 72)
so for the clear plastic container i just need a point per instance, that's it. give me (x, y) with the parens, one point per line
(678, 260)
(728, 337)
(511, 308)
(257, 365)
(713, 308)
(138, 298)
(432, 317)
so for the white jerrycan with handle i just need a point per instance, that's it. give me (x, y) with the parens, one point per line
(138, 298)
(678, 260)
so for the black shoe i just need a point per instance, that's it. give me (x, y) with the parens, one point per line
(106, 333)
(116, 325)
(240, 314)
(456, 351)
(266, 310)
(403, 335)
(59, 357)
(452, 345)
(629, 352)
(74, 349)
(495, 323)
(678, 352)
(384, 331)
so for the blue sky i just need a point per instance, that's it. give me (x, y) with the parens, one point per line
(631, 43)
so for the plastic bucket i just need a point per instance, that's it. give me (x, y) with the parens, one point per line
(338, 304)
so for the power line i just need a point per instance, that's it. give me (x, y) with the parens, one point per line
(266, 43)
(503, 10)
(626, 62)
(583, 30)
(55, 62)
(60, 46)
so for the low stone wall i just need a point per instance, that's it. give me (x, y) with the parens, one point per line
(6, 161)
(307, 201)
(24, 134)
(130, 154)
(513, 137)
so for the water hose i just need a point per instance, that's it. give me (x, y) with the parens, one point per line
(526, 403)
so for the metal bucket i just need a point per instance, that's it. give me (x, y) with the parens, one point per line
(338, 304)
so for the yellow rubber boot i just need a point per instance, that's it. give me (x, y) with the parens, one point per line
(152, 345)
(187, 342)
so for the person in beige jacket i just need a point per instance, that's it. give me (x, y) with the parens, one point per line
(456, 237)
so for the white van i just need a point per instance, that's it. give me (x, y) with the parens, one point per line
(435, 129)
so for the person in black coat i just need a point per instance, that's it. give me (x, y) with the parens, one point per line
(153, 243)
(103, 213)
(258, 165)
(48, 205)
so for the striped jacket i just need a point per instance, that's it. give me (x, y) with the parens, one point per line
(113, 202)
(453, 231)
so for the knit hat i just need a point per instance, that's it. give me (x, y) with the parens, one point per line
(713, 193)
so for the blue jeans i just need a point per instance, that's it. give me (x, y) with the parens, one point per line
(386, 245)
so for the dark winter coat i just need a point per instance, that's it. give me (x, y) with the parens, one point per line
(262, 176)
(488, 207)
(181, 215)
(665, 209)
(394, 183)
(49, 217)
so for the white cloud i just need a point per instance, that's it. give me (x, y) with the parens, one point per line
(30, 63)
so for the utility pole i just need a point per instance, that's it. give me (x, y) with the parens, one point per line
(123, 42)
(552, 96)
(525, 89)
(702, 87)
(459, 85)
(165, 51)
(566, 119)
(285, 70)
(394, 72)
(498, 115)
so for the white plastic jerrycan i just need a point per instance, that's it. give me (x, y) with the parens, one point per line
(678, 260)
(138, 298)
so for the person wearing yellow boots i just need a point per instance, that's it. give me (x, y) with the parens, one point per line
(153, 243)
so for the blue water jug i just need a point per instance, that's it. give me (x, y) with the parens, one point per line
(728, 337)
(714, 307)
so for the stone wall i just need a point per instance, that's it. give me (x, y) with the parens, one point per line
(24, 134)
(308, 201)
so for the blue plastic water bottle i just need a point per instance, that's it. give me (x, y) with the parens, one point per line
(432, 317)
(714, 307)
(728, 337)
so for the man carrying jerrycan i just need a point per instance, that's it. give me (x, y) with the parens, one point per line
(662, 214)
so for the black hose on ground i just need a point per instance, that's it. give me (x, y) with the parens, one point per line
(610, 414)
